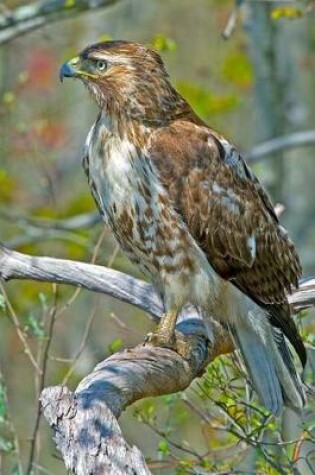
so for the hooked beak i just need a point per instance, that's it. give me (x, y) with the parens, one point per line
(70, 69)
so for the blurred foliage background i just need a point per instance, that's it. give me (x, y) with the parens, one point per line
(257, 85)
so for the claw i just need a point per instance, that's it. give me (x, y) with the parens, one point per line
(176, 342)
(161, 339)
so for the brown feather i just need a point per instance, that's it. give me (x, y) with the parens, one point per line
(207, 184)
(224, 205)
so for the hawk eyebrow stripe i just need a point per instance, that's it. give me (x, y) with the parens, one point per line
(112, 59)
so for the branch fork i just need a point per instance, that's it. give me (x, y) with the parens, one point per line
(85, 421)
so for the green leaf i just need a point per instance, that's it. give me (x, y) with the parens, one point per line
(8, 98)
(15, 470)
(204, 101)
(162, 43)
(238, 70)
(286, 12)
(3, 401)
(34, 326)
(43, 300)
(184, 467)
(170, 399)
(69, 3)
(146, 411)
(115, 345)
(105, 37)
(2, 302)
(7, 186)
(6, 445)
(163, 448)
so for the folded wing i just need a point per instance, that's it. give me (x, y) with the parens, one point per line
(230, 216)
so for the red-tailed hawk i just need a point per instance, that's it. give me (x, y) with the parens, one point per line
(185, 207)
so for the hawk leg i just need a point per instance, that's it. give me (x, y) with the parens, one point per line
(166, 337)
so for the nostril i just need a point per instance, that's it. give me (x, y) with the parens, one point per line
(74, 61)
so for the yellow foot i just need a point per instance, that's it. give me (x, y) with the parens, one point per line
(176, 342)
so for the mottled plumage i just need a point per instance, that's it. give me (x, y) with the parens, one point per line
(185, 207)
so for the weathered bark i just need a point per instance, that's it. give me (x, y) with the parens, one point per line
(85, 422)
(89, 437)
(15, 265)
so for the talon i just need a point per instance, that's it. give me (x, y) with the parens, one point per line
(176, 342)
(147, 338)
(166, 336)
(160, 339)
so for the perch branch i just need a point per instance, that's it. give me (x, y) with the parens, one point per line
(85, 422)
(23, 19)
(15, 265)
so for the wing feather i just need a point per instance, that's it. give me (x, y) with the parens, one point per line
(231, 217)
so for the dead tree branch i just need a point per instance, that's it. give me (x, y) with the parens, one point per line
(85, 422)
(297, 139)
(79, 221)
(15, 265)
(23, 19)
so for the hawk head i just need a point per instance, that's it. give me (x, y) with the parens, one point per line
(126, 79)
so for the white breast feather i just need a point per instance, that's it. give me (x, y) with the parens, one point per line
(116, 180)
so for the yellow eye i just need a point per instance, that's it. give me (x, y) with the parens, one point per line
(101, 65)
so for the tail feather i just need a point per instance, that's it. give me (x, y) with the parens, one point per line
(261, 368)
(280, 318)
(294, 388)
(269, 363)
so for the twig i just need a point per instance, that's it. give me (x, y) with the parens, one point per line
(42, 381)
(77, 292)
(297, 139)
(79, 221)
(15, 321)
(42, 469)
(12, 429)
(231, 24)
(298, 447)
(127, 330)
(81, 347)
(26, 18)
(32, 236)
(163, 464)
(113, 256)
(304, 297)
(171, 442)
